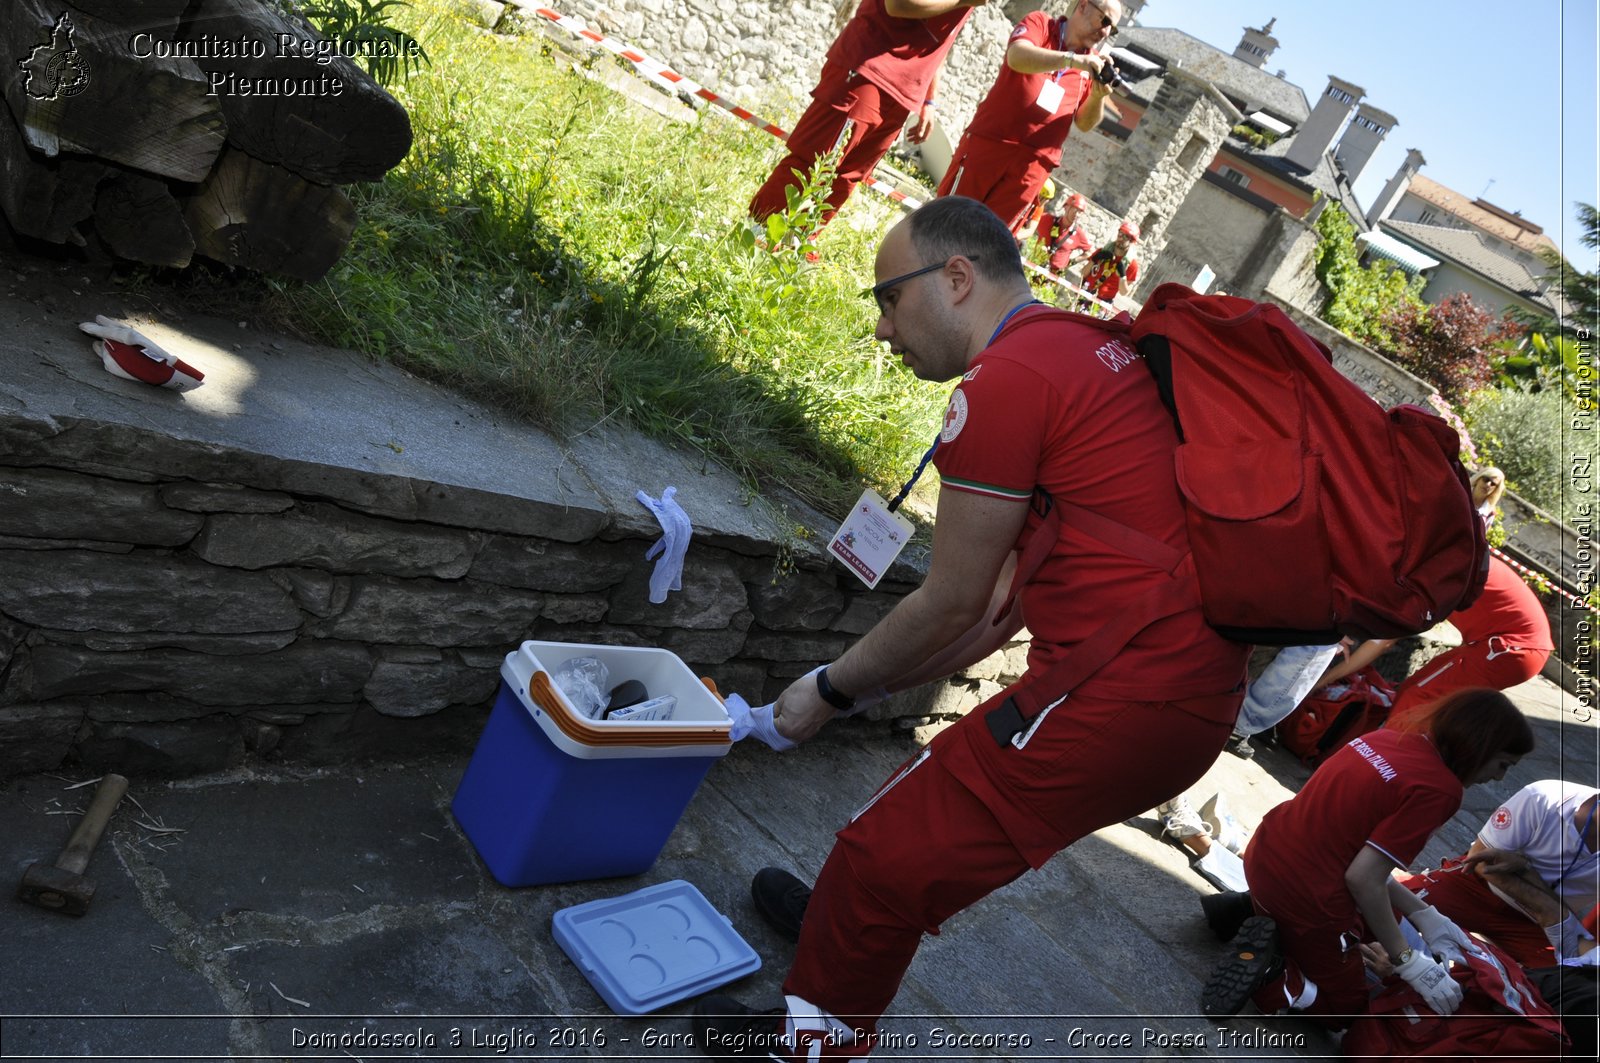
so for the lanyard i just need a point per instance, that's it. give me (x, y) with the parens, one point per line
(1583, 844)
(927, 457)
(1061, 46)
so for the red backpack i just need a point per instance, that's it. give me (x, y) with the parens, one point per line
(1321, 724)
(1313, 512)
(1502, 1016)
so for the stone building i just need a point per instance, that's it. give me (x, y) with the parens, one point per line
(1462, 245)
(1247, 217)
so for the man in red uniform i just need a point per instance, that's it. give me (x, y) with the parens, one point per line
(1505, 640)
(882, 67)
(1061, 235)
(1046, 86)
(1041, 409)
(1104, 272)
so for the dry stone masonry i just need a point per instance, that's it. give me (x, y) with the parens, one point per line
(314, 558)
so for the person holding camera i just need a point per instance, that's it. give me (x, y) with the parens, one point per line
(1050, 81)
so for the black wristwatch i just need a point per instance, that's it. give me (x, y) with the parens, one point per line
(825, 689)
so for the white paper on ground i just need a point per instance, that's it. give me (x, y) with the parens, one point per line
(1222, 869)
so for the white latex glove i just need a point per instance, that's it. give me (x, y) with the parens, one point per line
(756, 721)
(1430, 978)
(1445, 940)
(1567, 938)
(146, 362)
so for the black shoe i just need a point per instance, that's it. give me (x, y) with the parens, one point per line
(726, 1029)
(1239, 745)
(1226, 913)
(781, 899)
(1256, 957)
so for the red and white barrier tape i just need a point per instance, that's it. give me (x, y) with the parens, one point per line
(658, 72)
(1096, 307)
(1526, 571)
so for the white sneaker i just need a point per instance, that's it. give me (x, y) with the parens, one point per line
(1179, 819)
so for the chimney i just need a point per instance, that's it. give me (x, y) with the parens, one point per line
(1384, 205)
(1324, 122)
(1361, 138)
(1256, 45)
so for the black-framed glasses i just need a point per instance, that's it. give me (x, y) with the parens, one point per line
(1106, 21)
(878, 291)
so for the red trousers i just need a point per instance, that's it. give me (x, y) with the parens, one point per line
(1004, 177)
(967, 815)
(1323, 953)
(874, 121)
(1466, 900)
(1488, 663)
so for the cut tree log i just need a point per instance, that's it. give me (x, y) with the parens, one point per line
(324, 118)
(140, 219)
(255, 214)
(45, 199)
(83, 89)
(153, 16)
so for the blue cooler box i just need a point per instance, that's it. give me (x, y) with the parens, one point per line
(552, 796)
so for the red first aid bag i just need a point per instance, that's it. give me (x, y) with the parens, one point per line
(1502, 1016)
(1331, 717)
(1313, 512)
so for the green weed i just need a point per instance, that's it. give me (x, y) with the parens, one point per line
(555, 250)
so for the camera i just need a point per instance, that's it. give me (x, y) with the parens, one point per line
(1110, 76)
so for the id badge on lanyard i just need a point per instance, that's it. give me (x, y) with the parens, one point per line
(870, 538)
(1051, 93)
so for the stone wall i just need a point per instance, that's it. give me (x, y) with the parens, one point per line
(766, 54)
(160, 623)
(313, 557)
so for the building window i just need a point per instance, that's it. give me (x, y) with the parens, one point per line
(1428, 217)
(1234, 177)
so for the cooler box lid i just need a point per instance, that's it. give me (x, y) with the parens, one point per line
(653, 947)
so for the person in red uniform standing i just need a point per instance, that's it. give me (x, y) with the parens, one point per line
(1106, 269)
(1505, 640)
(1061, 235)
(1320, 864)
(1046, 86)
(1038, 406)
(881, 68)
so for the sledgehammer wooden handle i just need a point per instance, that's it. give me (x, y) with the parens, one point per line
(75, 857)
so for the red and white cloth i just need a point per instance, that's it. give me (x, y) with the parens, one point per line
(131, 355)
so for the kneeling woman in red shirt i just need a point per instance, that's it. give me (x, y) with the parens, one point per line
(1319, 865)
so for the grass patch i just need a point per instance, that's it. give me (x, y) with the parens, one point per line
(554, 250)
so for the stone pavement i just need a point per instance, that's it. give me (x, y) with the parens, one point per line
(263, 913)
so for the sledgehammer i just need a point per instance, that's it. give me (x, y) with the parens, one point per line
(61, 887)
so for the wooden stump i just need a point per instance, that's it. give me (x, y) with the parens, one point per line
(140, 219)
(255, 214)
(83, 90)
(337, 126)
(215, 127)
(44, 199)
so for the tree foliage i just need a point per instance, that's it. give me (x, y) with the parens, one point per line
(1452, 344)
(1360, 298)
